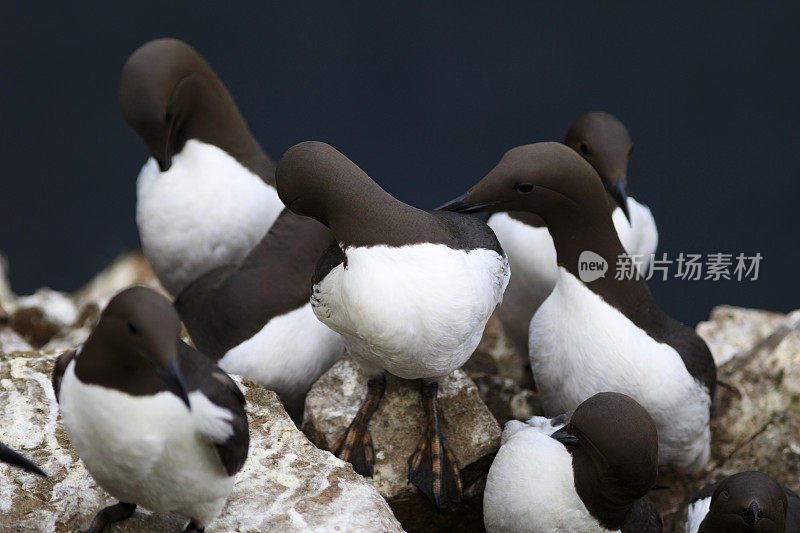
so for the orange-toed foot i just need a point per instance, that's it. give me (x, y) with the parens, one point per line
(355, 446)
(433, 468)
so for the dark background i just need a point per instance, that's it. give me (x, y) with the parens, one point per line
(425, 98)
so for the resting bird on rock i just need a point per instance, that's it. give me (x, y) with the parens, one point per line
(410, 292)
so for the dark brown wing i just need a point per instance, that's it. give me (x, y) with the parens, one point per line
(60, 367)
(201, 374)
(230, 304)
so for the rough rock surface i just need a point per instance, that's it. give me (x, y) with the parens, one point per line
(396, 428)
(756, 425)
(503, 376)
(731, 330)
(286, 485)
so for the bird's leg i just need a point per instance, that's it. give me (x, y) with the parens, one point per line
(111, 514)
(433, 468)
(355, 446)
(193, 527)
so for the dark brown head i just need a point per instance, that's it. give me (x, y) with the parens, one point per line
(547, 179)
(316, 180)
(746, 502)
(614, 446)
(169, 94)
(134, 347)
(602, 140)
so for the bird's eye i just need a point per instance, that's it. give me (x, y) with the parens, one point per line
(524, 187)
(585, 149)
(724, 495)
(133, 329)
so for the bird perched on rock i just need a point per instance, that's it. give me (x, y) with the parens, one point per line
(598, 331)
(747, 501)
(410, 292)
(154, 421)
(587, 474)
(255, 316)
(206, 199)
(603, 141)
(207, 195)
(7, 455)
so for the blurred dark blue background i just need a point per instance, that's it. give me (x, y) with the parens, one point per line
(425, 97)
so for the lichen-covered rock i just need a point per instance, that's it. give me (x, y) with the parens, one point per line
(731, 330)
(396, 427)
(286, 484)
(756, 424)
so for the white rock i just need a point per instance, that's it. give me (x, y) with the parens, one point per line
(286, 484)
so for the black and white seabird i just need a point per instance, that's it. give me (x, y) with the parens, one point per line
(409, 291)
(9, 456)
(156, 423)
(206, 199)
(207, 194)
(256, 319)
(744, 502)
(589, 474)
(603, 141)
(603, 333)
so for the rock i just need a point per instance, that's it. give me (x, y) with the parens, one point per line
(756, 425)
(503, 376)
(731, 330)
(286, 485)
(505, 399)
(396, 428)
(128, 269)
(496, 356)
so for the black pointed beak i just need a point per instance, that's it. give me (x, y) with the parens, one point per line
(7, 455)
(565, 437)
(750, 516)
(461, 205)
(619, 195)
(174, 379)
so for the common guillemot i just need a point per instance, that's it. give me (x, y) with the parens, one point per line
(603, 141)
(207, 194)
(256, 319)
(605, 333)
(588, 475)
(744, 502)
(409, 291)
(155, 422)
(9, 456)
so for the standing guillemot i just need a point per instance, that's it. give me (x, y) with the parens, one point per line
(605, 333)
(603, 141)
(409, 291)
(256, 318)
(207, 194)
(588, 475)
(9, 456)
(155, 422)
(747, 501)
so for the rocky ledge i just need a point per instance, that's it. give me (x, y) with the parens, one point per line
(287, 484)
